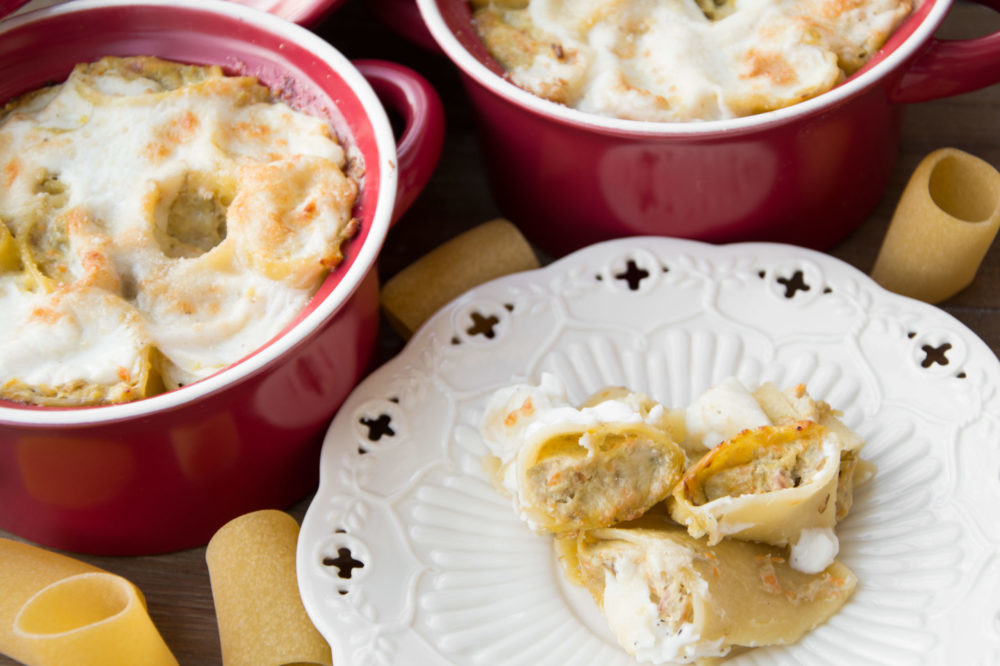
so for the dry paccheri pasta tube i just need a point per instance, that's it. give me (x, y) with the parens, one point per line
(569, 468)
(784, 479)
(945, 221)
(485, 252)
(251, 562)
(671, 598)
(58, 610)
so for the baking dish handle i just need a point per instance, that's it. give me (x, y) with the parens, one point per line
(418, 148)
(949, 67)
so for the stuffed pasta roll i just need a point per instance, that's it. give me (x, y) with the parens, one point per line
(795, 404)
(775, 484)
(569, 468)
(728, 413)
(671, 598)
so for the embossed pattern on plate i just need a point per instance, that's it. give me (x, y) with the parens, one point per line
(408, 556)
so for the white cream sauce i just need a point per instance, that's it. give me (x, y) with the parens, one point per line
(635, 619)
(722, 412)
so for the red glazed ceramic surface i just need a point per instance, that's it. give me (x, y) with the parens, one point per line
(303, 12)
(806, 174)
(403, 17)
(164, 473)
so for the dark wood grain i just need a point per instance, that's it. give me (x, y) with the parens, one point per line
(177, 586)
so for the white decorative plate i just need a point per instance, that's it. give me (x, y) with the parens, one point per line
(407, 556)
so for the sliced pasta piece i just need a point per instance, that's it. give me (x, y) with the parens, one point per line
(671, 598)
(570, 468)
(728, 408)
(795, 404)
(774, 484)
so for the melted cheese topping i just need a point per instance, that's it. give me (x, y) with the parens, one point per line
(681, 60)
(159, 222)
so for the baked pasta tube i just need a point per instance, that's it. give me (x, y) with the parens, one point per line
(773, 484)
(795, 404)
(569, 468)
(671, 598)
(782, 470)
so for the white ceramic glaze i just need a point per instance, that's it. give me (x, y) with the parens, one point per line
(449, 574)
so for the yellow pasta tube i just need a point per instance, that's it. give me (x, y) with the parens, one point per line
(96, 619)
(489, 251)
(251, 563)
(26, 570)
(774, 484)
(944, 223)
(58, 610)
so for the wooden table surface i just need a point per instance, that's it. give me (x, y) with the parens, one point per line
(176, 585)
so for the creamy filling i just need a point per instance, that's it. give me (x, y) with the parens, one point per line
(657, 631)
(606, 489)
(814, 550)
(773, 468)
(722, 412)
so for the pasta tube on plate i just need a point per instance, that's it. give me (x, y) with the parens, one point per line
(570, 468)
(786, 479)
(671, 598)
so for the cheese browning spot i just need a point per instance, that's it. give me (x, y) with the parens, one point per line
(527, 408)
(10, 172)
(770, 65)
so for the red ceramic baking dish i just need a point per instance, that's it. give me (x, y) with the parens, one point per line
(806, 174)
(164, 473)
